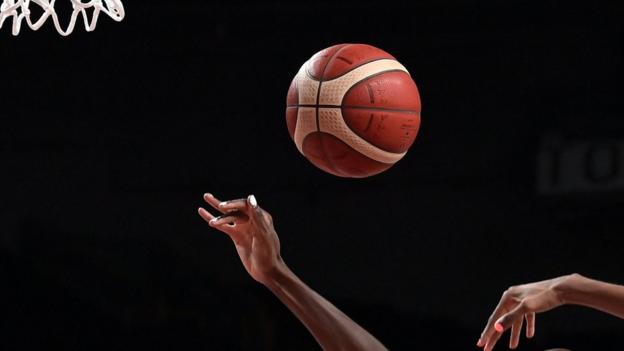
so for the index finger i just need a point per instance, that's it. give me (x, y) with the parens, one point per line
(233, 205)
(213, 201)
(490, 327)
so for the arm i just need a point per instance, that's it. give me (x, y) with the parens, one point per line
(522, 302)
(257, 244)
(605, 297)
(332, 329)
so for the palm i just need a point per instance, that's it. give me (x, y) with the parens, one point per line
(248, 253)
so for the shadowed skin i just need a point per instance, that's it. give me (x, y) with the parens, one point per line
(251, 229)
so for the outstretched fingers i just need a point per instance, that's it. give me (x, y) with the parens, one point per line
(222, 206)
(490, 329)
(207, 216)
(511, 320)
(516, 329)
(517, 314)
(233, 205)
(491, 342)
(228, 220)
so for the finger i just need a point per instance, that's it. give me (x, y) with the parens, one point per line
(516, 329)
(530, 324)
(233, 205)
(508, 320)
(227, 229)
(212, 201)
(214, 221)
(229, 219)
(491, 342)
(207, 216)
(489, 329)
(480, 342)
(259, 216)
(254, 211)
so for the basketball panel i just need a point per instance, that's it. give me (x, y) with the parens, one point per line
(306, 124)
(336, 157)
(292, 98)
(332, 122)
(291, 120)
(388, 90)
(352, 56)
(313, 150)
(332, 92)
(391, 131)
(317, 63)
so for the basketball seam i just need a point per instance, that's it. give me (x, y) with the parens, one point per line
(369, 146)
(342, 174)
(351, 69)
(361, 135)
(330, 162)
(412, 112)
(381, 109)
(362, 64)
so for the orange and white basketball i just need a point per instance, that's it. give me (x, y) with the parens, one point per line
(353, 110)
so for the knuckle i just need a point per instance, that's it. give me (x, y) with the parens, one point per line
(524, 307)
(511, 291)
(267, 216)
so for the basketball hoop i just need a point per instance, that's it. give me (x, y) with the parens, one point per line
(19, 10)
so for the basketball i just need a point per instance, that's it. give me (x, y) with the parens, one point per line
(353, 110)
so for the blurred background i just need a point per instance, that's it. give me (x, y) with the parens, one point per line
(109, 139)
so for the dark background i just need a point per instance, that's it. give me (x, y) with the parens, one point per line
(109, 139)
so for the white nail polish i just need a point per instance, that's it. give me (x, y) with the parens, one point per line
(252, 201)
(222, 204)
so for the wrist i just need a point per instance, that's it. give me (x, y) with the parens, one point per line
(276, 275)
(567, 288)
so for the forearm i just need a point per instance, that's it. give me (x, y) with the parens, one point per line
(579, 290)
(332, 329)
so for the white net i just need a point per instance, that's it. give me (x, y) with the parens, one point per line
(19, 12)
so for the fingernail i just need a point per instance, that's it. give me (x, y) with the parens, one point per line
(212, 221)
(223, 204)
(207, 195)
(252, 201)
(479, 343)
(499, 327)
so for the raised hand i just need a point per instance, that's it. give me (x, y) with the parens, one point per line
(251, 230)
(257, 244)
(520, 303)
